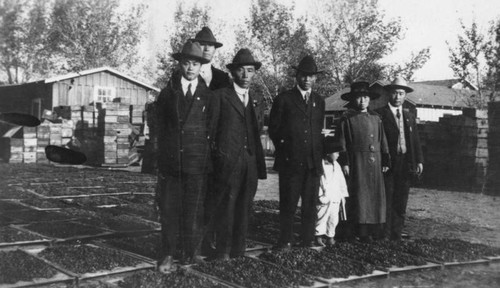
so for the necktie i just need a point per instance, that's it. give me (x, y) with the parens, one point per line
(306, 97)
(401, 140)
(189, 95)
(244, 98)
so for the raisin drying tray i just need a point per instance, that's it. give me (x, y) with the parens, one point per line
(103, 273)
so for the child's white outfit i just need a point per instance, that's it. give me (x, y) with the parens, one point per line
(332, 191)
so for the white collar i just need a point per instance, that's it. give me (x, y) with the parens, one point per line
(394, 108)
(239, 90)
(395, 112)
(303, 92)
(185, 83)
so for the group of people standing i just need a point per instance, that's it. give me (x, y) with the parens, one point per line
(210, 156)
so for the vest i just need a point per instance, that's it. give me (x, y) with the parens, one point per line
(250, 135)
(193, 133)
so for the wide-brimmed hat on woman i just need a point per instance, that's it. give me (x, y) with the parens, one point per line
(242, 58)
(206, 36)
(191, 50)
(359, 88)
(399, 83)
(307, 66)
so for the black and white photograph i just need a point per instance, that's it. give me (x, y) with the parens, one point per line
(249, 143)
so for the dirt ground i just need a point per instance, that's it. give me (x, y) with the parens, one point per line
(436, 213)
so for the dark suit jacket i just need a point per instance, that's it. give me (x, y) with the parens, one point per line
(296, 128)
(188, 135)
(413, 148)
(230, 137)
(220, 79)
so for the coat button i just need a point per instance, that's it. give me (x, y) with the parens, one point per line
(372, 148)
(371, 159)
(305, 131)
(371, 135)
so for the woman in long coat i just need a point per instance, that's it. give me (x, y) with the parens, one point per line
(365, 158)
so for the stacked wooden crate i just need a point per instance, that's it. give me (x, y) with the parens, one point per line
(456, 151)
(116, 134)
(136, 115)
(16, 150)
(67, 128)
(29, 144)
(493, 175)
(475, 151)
(43, 140)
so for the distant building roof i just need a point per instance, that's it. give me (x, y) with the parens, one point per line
(97, 70)
(451, 83)
(423, 94)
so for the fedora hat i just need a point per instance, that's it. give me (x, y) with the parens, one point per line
(399, 83)
(242, 58)
(206, 36)
(359, 88)
(191, 50)
(307, 65)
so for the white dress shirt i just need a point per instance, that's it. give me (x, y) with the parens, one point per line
(185, 84)
(206, 73)
(400, 123)
(303, 92)
(242, 94)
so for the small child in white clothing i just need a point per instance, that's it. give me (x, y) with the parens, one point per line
(332, 191)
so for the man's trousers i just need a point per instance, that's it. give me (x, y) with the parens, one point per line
(397, 188)
(234, 207)
(295, 183)
(181, 201)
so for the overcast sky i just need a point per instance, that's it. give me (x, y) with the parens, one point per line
(428, 23)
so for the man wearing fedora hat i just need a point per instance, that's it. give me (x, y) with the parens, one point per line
(213, 77)
(406, 155)
(295, 126)
(365, 159)
(187, 115)
(239, 157)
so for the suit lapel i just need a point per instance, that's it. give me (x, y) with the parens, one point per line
(235, 101)
(197, 96)
(298, 100)
(390, 116)
(406, 119)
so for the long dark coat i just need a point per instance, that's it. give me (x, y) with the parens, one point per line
(230, 139)
(175, 141)
(363, 140)
(414, 150)
(295, 130)
(220, 79)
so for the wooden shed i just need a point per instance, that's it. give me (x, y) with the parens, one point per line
(81, 88)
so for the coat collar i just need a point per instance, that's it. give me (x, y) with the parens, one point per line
(236, 102)
(392, 119)
(299, 100)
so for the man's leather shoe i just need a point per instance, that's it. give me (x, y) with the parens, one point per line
(284, 246)
(167, 265)
(197, 260)
(308, 244)
(330, 241)
(366, 239)
(319, 242)
(223, 256)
